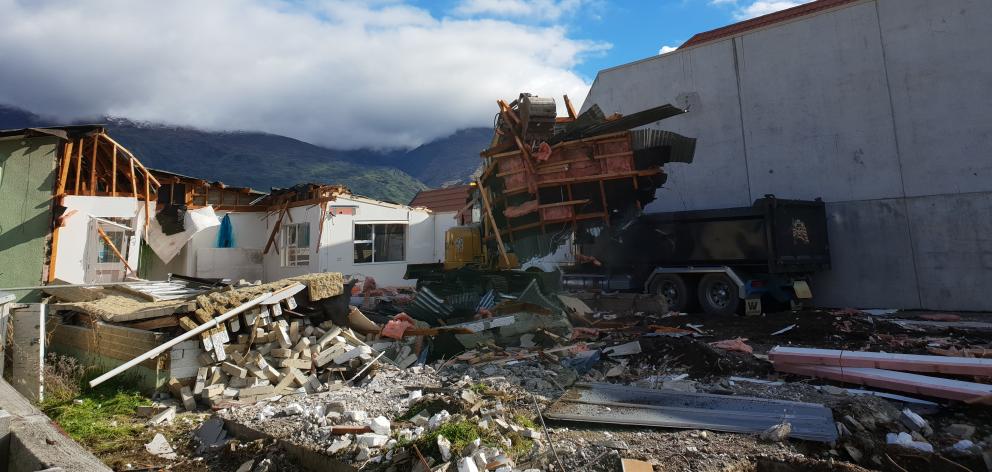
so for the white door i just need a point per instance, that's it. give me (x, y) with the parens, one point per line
(102, 264)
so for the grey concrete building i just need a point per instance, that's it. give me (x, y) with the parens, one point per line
(881, 107)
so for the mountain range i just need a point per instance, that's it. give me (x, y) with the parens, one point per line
(264, 161)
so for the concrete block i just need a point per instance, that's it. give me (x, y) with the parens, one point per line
(28, 355)
(186, 395)
(304, 364)
(233, 370)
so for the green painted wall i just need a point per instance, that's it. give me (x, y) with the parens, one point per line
(27, 175)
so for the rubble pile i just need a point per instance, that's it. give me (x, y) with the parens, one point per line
(271, 350)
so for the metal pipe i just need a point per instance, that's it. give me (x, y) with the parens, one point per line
(178, 339)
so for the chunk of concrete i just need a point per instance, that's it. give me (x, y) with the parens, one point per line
(339, 444)
(210, 434)
(371, 440)
(380, 425)
(165, 416)
(444, 446)
(159, 446)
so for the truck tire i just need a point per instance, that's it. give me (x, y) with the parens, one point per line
(673, 289)
(718, 294)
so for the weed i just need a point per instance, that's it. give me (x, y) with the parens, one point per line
(100, 418)
(524, 421)
(63, 378)
(480, 388)
(462, 433)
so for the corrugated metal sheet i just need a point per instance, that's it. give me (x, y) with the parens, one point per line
(623, 404)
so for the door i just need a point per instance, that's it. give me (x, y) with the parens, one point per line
(103, 264)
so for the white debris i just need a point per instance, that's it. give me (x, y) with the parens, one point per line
(906, 440)
(467, 464)
(159, 446)
(371, 440)
(339, 444)
(444, 446)
(439, 418)
(356, 416)
(380, 425)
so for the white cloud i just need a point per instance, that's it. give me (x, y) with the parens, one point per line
(763, 7)
(527, 9)
(667, 49)
(337, 73)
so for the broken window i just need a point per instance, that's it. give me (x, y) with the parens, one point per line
(105, 254)
(380, 242)
(295, 245)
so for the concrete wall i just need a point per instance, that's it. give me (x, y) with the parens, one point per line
(27, 177)
(880, 107)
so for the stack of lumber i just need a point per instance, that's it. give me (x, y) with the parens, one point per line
(268, 350)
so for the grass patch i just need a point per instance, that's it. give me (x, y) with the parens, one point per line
(101, 419)
(480, 388)
(525, 421)
(462, 433)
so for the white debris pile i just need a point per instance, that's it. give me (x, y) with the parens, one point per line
(378, 420)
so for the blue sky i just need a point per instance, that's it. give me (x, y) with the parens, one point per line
(635, 29)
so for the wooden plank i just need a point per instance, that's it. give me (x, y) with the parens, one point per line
(492, 221)
(96, 147)
(79, 164)
(275, 230)
(113, 248)
(53, 257)
(567, 203)
(155, 323)
(124, 149)
(148, 196)
(66, 162)
(134, 181)
(113, 172)
(570, 108)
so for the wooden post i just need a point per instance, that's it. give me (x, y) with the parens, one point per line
(320, 230)
(148, 196)
(113, 173)
(492, 222)
(570, 108)
(134, 180)
(106, 239)
(64, 172)
(96, 146)
(79, 163)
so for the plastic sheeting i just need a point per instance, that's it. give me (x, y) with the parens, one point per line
(225, 236)
(166, 247)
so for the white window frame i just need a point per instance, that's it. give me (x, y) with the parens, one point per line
(292, 253)
(354, 231)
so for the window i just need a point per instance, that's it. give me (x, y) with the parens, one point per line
(384, 242)
(295, 244)
(105, 254)
(116, 235)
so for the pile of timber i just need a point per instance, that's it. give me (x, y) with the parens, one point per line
(267, 350)
(257, 344)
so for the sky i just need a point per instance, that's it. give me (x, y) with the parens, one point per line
(339, 73)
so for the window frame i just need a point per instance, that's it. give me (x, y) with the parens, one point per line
(373, 224)
(291, 253)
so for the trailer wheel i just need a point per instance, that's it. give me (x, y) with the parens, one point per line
(718, 294)
(674, 290)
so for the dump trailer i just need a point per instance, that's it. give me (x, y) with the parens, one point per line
(721, 259)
